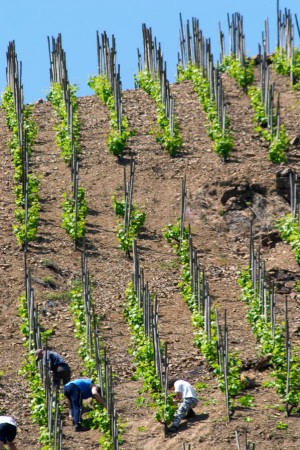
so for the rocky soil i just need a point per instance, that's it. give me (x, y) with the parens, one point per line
(222, 201)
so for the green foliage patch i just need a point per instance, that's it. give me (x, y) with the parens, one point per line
(142, 352)
(289, 232)
(278, 144)
(223, 140)
(25, 230)
(271, 342)
(37, 394)
(208, 347)
(136, 222)
(98, 415)
(67, 140)
(244, 75)
(66, 137)
(75, 228)
(117, 139)
(284, 65)
(170, 141)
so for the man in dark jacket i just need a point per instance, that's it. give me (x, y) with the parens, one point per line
(8, 431)
(61, 371)
(78, 390)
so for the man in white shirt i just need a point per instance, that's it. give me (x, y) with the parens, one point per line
(8, 431)
(186, 395)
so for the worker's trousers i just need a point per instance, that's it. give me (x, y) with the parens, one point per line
(183, 409)
(73, 394)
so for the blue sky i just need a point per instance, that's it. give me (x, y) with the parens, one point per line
(29, 22)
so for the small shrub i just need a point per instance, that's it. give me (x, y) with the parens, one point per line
(170, 141)
(64, 140)
(136, 222)
(244, 75)
(282, 426)
(278, 144)
(117, 138)
(75, 228)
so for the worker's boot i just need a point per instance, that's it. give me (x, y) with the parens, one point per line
(79, 427)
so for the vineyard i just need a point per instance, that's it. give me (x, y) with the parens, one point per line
(153, 233)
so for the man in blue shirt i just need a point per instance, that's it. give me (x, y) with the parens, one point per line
(58, 366)
(78, 390)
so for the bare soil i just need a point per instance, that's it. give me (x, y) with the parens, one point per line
(220, 222)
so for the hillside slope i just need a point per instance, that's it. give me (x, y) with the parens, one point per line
(222, 201)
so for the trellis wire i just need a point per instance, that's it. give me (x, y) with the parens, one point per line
(107, 65)
(157, 67)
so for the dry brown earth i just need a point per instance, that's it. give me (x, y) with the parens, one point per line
(220, 225)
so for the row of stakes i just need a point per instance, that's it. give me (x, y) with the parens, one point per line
(195, 49)
(96, 350)
(58, 72)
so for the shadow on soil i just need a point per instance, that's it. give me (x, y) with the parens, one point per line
(93, 212)
(148, 236)
(185, 426)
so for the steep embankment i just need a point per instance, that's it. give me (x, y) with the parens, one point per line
(222, 200)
